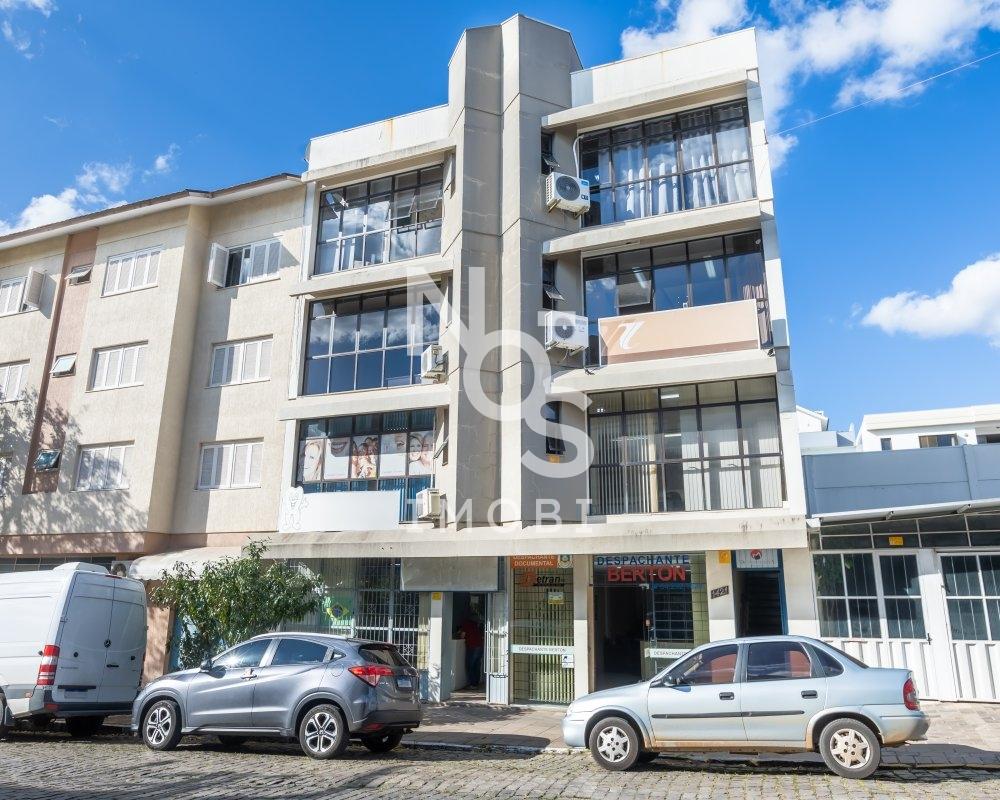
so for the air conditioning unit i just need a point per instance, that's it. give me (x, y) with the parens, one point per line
(432, 362)
(429, 503)
(566, 331)
(120, 568)
(567, 192)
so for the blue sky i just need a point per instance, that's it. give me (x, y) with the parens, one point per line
(115, 101)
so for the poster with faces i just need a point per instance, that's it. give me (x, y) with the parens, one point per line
(393, 456)
(337, 462)
(421, 452)
(364, 457)
(311, 460)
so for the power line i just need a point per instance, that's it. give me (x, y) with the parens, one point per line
(890, 94)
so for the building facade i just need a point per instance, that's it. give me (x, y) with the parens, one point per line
(204, 368)
(939, 427)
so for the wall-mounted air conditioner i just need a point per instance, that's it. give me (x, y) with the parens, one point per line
(567, 192)
(566, 331)
(429, 503)
(432, 362)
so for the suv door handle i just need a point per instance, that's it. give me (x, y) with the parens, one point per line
(810, 694)
(727, 696)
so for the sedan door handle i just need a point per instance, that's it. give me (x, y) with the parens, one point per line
(249, 674)
(810, 694)
(727, 696)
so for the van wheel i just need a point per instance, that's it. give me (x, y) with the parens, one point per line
(83, 727)
(383, 742)
(850, 748)
(161, 725)
(4, 727)
(614, 744)
(323, 732)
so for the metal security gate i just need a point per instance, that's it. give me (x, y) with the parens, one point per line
(542, 652)
(497, 649)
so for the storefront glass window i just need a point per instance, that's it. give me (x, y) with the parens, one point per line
(649, 609)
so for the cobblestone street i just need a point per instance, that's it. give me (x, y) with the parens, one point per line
(37, 766)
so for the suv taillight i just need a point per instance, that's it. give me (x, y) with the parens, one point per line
(47, 669)
(910, 698)
(371, 673)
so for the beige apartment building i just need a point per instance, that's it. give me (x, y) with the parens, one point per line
(429, 370)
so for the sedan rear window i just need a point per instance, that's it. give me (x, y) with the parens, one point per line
(382, 654)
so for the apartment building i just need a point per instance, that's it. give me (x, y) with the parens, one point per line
(430, 372)
(937, 427)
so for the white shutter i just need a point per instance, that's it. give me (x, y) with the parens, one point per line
(206, 473)
(218, 260)
(100, 370)
(251, 353)
(258, 261)
(265, 359)
(241, 464)
(140, 362)
(33, 290)
(86, 469)
(273, 257)
(256, 452)
(153, 269)
(111, 276)
(126, 456)
(139, 278)
(125, 274)
(222, 365)
(128, 365)
(114, 368)
(5, 376)
(99, 468)
(224, 466)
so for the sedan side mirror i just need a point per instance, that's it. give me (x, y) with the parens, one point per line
(667, 680)
(206, 665)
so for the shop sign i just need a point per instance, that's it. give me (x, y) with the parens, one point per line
(541, 649)
(541, 562)
(568, 661)
(665, 652)
(896, 541)
(556, 598)
(719, 591)
(757, 559)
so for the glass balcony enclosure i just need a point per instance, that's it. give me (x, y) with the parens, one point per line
(683, 275)
(373, 222)
(369, 452)
(703, 447)
(682, 161)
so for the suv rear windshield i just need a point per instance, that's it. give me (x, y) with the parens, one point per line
(382, 654)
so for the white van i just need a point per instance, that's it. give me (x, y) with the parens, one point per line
(72, 642)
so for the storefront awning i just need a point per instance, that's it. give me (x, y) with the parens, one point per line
(151, 567)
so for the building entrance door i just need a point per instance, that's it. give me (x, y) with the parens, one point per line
(497, 649)
(758, 596)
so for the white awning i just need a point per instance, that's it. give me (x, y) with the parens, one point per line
(149, 568)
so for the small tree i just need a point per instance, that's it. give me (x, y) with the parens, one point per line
(234, 599)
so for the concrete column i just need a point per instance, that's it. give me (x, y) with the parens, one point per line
(800, 591)
(581, 625)
(721, 610)
(439, 667)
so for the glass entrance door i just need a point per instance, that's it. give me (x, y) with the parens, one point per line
(497, 644)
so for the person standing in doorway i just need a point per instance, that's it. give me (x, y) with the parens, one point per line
(471, 630)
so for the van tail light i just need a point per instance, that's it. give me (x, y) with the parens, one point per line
(910, 698)
(47, 669)
(371, 673)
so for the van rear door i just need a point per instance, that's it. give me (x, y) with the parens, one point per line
(123, 667)
(85, 629)
(27, 610)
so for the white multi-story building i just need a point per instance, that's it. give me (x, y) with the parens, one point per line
(599, 459)
(937, 427)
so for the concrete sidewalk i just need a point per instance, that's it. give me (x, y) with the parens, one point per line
(961, 735)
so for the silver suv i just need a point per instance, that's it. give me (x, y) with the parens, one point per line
(784, 693)
(323, 690)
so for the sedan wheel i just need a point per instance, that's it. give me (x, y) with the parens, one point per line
(161, 726)
(614, 744)
(323, 732)
(850, 748)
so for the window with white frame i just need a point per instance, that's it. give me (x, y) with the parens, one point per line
(103, 466)
(230, 465)
(240, 362)
(247, 263)
(11, 292)
(114, 367)
(12, 378)
(131, 271)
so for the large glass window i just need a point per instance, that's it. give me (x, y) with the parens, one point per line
(972, 586)
(367, 342)
(686, 448)
(682, 275)
(373, 222)
(369, 452)
(847, 595)
(682, 161)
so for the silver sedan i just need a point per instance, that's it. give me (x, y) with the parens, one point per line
(774, 694)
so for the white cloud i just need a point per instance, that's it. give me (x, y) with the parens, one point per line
(970, 306)
(17, 39)
(89, 192)
(874, 47)
(164, 163)
(46, 7)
